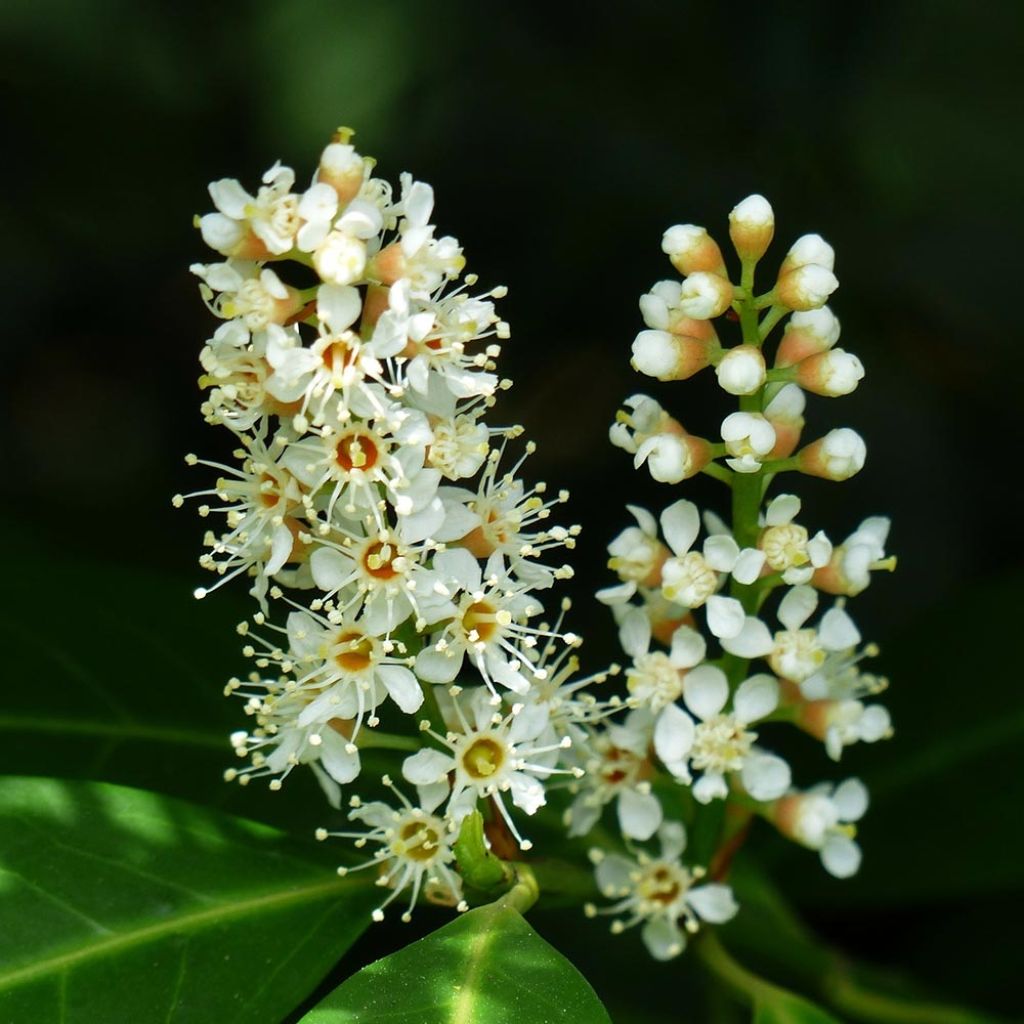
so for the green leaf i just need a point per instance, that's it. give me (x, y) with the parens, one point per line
(779, 1007)
(119, 905)
(487, 967)
(129, 689)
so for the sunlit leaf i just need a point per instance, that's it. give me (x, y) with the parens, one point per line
(487, 967)
(119, 905)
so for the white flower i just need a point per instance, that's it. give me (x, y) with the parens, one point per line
(660, 894)
(798, 652)
(655, 679)
(617, 769)
(742, 370)
(751, 227)
(637, 556)
(705, 295)
(340, 258)
(719, 743)
(749, 438)
(414, 847)
(786, 545)
(822, 819)
(271, 215)
(851, 565)
(491, 756)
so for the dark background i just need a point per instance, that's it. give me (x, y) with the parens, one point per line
(561, 140)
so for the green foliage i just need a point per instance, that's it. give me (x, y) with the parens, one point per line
(785, 1008)
(487, 967)
(118, 905)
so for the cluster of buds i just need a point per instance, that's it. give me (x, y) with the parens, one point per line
(724, 636)
(370, 501)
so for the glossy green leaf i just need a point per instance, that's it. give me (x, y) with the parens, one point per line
(129, 689)
(487, 967)
(119, 905)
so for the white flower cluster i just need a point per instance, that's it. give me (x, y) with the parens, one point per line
(714, 657)
(371, 500)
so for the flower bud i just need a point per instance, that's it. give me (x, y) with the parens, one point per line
(672, 458)
(742, 370)
(831, 373)
(343, 169)
(340, 258)
(806, 287)
(691, 249)
(809, 249)
(668, 356)
(807, 334)
(749, 438)
(704, 296)
(838, 455)
(751, 227)
(785, 412)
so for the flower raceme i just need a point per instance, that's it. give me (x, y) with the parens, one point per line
(384, 526)
(726, 640)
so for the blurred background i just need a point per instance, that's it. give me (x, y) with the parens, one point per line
(561, 141)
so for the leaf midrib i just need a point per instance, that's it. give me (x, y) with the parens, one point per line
(190, 922)
(112, 730)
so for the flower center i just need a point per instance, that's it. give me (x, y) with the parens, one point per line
(480, 622)
(655, 680)
(418, 839)
(357, 451)
(689, 580)
(484, 758)
(785, 546)
(354, 651)
(720, 744)
(378, 560)
(797, 654)
(620, 767)
(662, 884)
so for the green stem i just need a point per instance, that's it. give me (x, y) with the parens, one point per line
(848, 997)
(719, 473)
(772, 317)
(524, 893)
(747, 985)
(387, 740)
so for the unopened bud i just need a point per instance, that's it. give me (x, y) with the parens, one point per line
(751, 227)
(672, 458)
(831, 373)
(838, 455)
(749, 438)
(809, 249)
(343, 169)
(691, 250)
(704, 295)
(668, 356)
(807, 333)
(340, 258)
(742, 370)
(806, 287)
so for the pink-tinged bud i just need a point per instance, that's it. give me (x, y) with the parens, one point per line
(692, 250)
(751, 227)
(388, 266)
(672, 356)
(785, 412)
(807, 334)
(343, 169)
(340, 258)
(375, 304)
(741, 370)
(809, 249)
(831, 373)
(838, 455)
(704, 295)
(806, 287)
(672, 458)
(663, 626)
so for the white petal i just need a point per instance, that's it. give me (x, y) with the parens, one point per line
(710, 786)
(614, 875)
(663, 938)
(725, 616)
(527, 792)
(713, 902)
(782, 510)
(459, 565)
(797, 606)
(851, 800)
(672, 837)
(331, 569)
(635, 633)
(841, 856)
(673, 734)
(338, 306)
(680, 523)
(688, 647)
(402, 686)
(756, 697)
(748, 566)
(426, 766)
(433, 795)
(765, 776)
(705, 690)
(644, 520)
(753, 640)
(639, 814)
(721, 552)
(334, 756)
(435, 666)
(837, 631)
